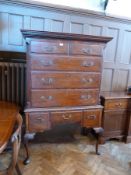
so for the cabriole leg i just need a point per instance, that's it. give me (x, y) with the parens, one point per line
(27, 137)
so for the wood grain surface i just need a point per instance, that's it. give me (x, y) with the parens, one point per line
(8, 117)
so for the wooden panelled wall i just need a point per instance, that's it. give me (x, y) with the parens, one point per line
(117, 55)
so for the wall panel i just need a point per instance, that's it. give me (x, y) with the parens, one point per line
(77, 25)
(15, 23)
(77, 28)
(37, 23)
(57, 26)
(111, 48)
(120, 80)
(95, 30)
(117, 54)
(106, 82)
(126, 48)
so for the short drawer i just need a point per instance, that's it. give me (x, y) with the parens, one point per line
(115, 104)
(65, 63)
(49, 46)
(64, 117)
(85, 48)
(63, 97)
(92, 118)
(38, 122)
(43, 79)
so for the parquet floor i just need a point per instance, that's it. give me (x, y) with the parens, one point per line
(77, 158)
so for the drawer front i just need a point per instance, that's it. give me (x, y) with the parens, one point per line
(38, 122)
(66, 117)
(92, 118)
(65, 80)
(49, 46)
(65, 63)
(62, 97)
(84, 48)
(116, 104)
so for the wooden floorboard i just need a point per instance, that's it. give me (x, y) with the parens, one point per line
(77, 158)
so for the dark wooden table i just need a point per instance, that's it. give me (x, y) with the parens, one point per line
(8, 118)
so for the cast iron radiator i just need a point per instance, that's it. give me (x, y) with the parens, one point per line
(12, 81)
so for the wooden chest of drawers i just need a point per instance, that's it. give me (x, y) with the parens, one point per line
(63, 79)
(116, 115)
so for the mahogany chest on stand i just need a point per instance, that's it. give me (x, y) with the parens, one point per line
(63, 80)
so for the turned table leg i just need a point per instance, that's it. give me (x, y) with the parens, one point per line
(27, 137)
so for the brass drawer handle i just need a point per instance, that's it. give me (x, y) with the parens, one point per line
(86, 50)
(47, 80)
(90, 80)
(85, 97)
(49, 49)
(46, 98)
(91, 117)
(118, 104)
(46, 63)
(66, 117)
(40, 119)
(87, 64)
